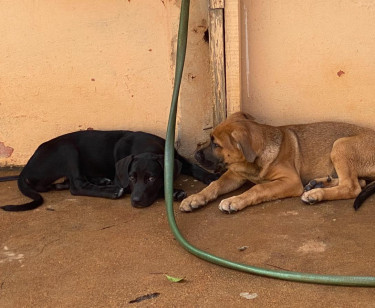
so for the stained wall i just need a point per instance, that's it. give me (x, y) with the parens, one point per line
(305, 61)
(74, 65)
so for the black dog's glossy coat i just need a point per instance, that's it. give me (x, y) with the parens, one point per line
(102, 164)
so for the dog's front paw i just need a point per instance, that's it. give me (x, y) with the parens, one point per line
(192, 202)
(118, 193)
(179, 194)
(232, 205)
(312, 196)
(105, 182)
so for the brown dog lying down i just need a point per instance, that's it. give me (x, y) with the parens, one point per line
(320, 161)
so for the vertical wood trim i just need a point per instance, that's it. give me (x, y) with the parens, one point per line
(217, 61)
(216, 4)
(233, 55)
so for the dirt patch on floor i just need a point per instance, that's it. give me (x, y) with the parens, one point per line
(89, 252)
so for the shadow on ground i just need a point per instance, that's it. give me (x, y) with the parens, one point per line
(88, 252)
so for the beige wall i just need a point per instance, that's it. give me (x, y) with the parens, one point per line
(309, 60)
(68, 65)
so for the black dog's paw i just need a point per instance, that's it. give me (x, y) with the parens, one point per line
(179, 194)
(101, 181)
(312, 185)
(211, 177)
(119, 191)
(61, 186)
(105, 182)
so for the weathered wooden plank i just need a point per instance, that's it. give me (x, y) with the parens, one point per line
(233, 55)
(216, 43)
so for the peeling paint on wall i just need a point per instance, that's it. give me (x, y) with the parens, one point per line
(5, 151)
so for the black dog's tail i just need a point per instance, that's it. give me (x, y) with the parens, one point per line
(364, 194)
(9, 178)
(25, 188)
(196, 171)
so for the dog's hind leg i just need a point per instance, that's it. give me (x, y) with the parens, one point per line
(326, 182)
(82, 187)
(77, 183)
(347, 184)
(61, 185)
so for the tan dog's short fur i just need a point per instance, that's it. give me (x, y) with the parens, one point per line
(282, 160)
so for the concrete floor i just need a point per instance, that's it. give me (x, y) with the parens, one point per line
(88, 252)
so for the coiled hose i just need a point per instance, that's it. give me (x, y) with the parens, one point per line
(168, 182)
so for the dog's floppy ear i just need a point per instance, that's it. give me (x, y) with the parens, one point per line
(122, 170)
(242, 143)
(177, 165)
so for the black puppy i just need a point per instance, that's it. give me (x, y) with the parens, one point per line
(102, 164)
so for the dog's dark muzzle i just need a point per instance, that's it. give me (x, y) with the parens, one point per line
(208, 160)
(199, 156)
(137, 202)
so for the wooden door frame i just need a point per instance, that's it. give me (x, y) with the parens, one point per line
(225, 57)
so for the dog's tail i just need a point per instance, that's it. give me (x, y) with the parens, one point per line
(8, 178)
(28, 191)
(364, 194)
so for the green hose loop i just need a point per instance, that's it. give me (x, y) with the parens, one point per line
(168, 182)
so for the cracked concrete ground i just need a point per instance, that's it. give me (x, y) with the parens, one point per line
(89, 252)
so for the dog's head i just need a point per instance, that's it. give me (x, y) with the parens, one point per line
(230, 143)
(143, 176)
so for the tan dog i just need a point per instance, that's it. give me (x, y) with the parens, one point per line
(336, 157)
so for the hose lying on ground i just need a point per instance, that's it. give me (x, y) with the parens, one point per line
(168, 182)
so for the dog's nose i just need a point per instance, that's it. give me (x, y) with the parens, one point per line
(139, 203)
(136, 199)
(199, 156)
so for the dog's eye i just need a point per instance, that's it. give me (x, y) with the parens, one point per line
(215, 145)
(132, 178)
(151, 179)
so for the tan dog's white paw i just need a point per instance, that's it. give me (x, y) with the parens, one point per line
(192, 202)
(312, 196)
(232, 205)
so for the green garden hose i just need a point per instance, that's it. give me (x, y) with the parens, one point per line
(168, 182)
